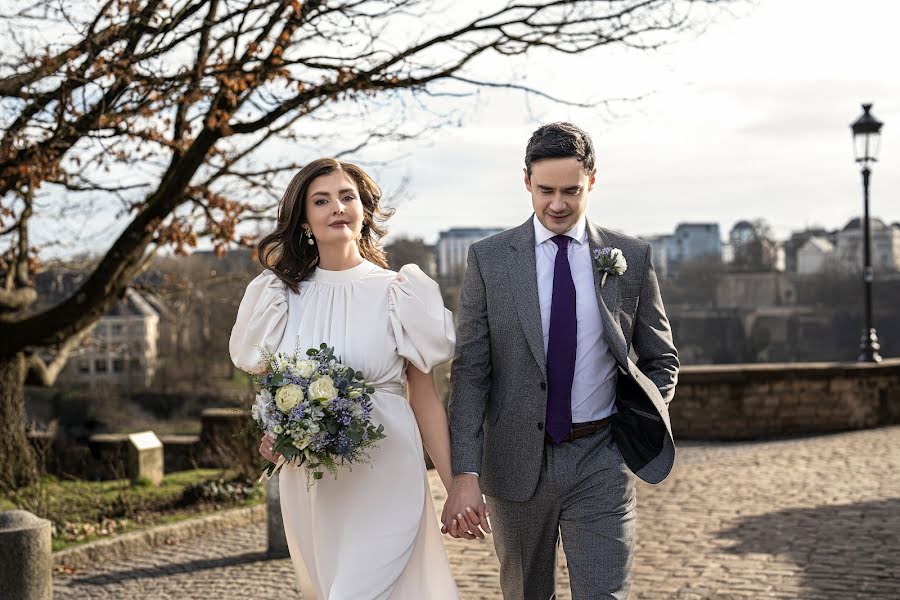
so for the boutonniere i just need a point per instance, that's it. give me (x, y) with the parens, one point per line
(609, 260)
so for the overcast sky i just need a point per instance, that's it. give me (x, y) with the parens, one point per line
(749, 119)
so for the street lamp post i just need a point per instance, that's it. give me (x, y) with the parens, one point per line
(866, 141)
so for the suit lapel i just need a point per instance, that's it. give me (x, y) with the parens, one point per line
(523, 280)
(608, 299)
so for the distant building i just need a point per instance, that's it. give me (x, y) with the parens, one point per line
(659, 246)
(779, 258)
(405, 251)
(453, 247)
(739, 237)
(693, 241)
(885, 246)
(751, 248)
(798, 239)
(742, 233)
(727, 252)
(814, 256)
(121, 349)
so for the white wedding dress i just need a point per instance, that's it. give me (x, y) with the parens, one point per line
(372, 532)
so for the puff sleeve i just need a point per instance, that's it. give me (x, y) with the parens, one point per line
(261, 320)
(423, 328)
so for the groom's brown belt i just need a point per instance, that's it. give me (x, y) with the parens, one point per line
(580, 430)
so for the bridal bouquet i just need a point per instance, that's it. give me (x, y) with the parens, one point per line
(317, 409)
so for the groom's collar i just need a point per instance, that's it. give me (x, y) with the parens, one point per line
(578, 232)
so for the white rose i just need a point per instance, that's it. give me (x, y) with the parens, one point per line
(620, 265)
(323, 389)
(305, 368)
(288, 396)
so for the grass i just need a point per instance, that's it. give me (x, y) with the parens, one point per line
(83, 511)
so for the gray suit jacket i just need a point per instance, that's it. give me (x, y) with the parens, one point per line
(498, 396)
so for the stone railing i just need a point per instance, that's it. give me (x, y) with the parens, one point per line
(741, 402)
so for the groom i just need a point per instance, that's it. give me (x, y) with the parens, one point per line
(549, 416)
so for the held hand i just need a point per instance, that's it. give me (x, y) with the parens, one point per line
(465, 513)
(266, 448)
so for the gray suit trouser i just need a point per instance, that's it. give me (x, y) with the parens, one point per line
(586, 493)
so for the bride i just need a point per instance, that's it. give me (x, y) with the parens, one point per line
(371, 532)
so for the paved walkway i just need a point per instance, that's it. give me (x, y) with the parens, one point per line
(811, 518)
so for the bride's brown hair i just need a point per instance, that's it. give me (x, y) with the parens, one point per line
(288, 255)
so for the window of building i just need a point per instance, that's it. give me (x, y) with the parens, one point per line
(118, 365)
(134, 365)
(100, 365)
(116, 329)
(84, 366)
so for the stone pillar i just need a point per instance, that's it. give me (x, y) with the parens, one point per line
(109, 457)
(145, 458)
(26, 566)
(277, 547)
(223, 445)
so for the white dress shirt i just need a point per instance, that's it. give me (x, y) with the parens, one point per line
(594, 384)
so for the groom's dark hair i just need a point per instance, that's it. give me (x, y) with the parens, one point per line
(560, 140)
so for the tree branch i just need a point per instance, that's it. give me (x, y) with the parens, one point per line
(45, 374)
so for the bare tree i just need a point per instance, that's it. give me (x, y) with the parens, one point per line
(760, 252)
(160, 107)
(403, 251)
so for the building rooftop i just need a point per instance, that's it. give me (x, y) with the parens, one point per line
(133, 304)
(61, 281)
(874, 222)
(821, 243)
(705, 226)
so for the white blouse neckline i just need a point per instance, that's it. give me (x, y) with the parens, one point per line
(345, 276)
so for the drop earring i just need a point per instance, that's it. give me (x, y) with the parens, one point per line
(309, 235)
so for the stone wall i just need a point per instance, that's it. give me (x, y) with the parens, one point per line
(719, 402)
(221, 444)
(742, 402)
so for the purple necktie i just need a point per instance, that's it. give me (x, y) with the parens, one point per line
(561, 347)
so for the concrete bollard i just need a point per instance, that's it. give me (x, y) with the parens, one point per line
(277, 546)
(26, 568)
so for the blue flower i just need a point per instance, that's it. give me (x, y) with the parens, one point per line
(298, 412)
(319, 441)
(343, 445)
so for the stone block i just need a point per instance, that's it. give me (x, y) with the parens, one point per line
(145, 458)
(180, 452)
(222, 441)
(26, 567)
(779, 387)
(841, 385)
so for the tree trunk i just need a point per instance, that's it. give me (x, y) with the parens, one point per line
(17, 463)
